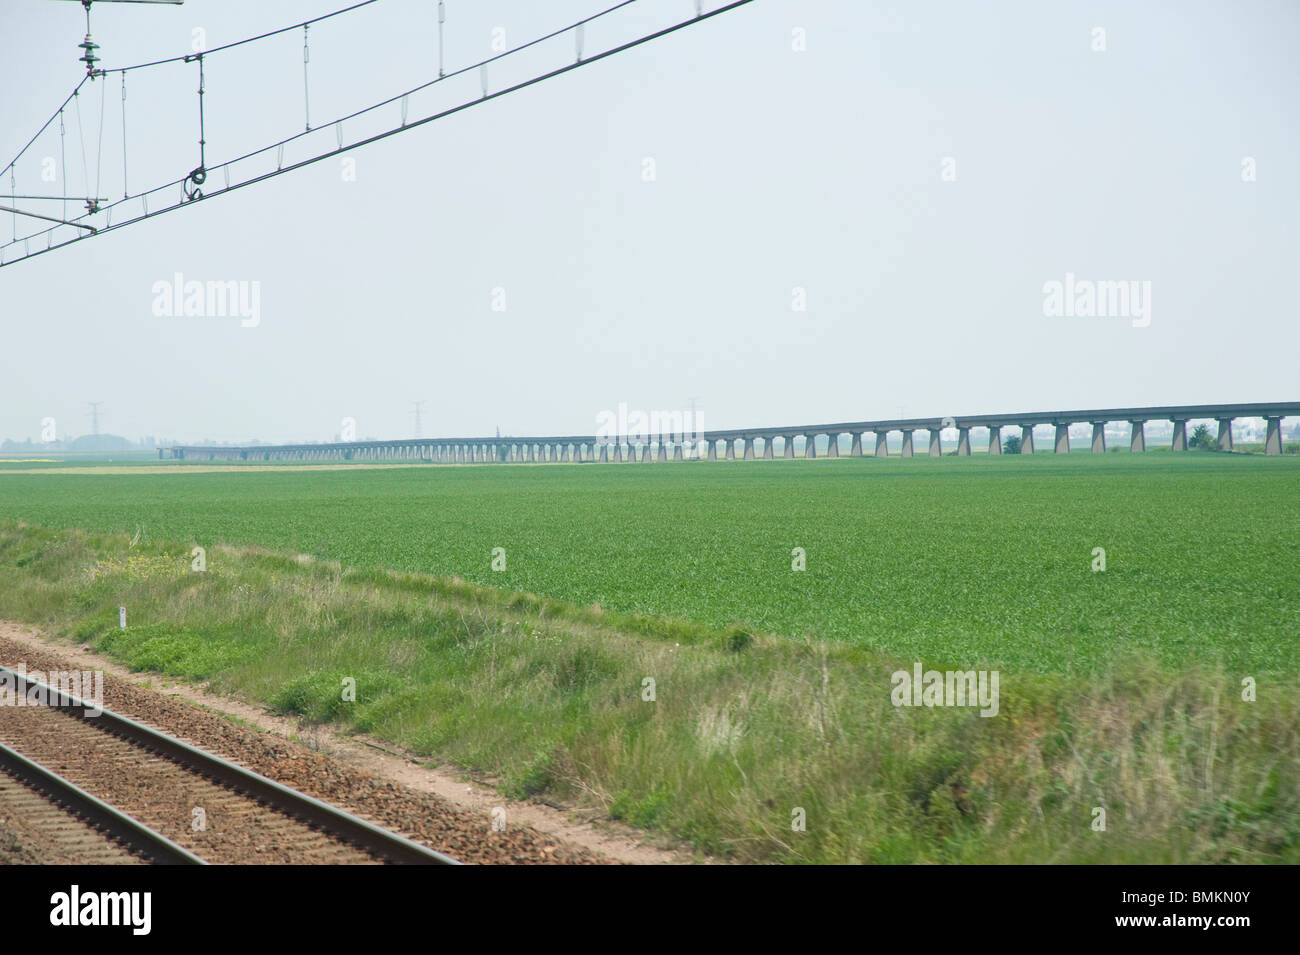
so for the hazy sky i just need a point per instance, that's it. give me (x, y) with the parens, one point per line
(775, 168)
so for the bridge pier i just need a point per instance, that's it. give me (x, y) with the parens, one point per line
(832, 445)
(1225, 434)
(1062, 437)
(995, 440)
(963, 442)
(1273, 436)
(907, 443)
(713, 449)
(1026, 439)
(769, 453)
(1180, 435)
(810, 446)
(855, 451)
(882, 444)
(749, 448)
(1099, 437)
(787, 450)
(1137, 442)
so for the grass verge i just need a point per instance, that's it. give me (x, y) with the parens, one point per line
(745, 730)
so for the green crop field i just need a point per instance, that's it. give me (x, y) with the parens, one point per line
(965, 561)
(1162, 689)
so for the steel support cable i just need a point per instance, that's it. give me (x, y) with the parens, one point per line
(125, 190)
(57, 114)
(63, 165)
(190, 57)
(279, 146)
(361, 112)
(81, 136)
(250, 39)
(306, 92)
(99, 155)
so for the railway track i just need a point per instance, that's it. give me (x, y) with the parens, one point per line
(170, 802)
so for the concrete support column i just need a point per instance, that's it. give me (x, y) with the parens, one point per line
(618, 451)
(769, 449)
(1180, 435)
(1225, 434)
(749, 448)
(1137, 442)
(788, 450)
(907, 444)
(995, 440)
(731, 449)
(832, 445)
(810, 446)
(855, 451)
(713, 450)
(1099, 437)
(1062, 437)
(882, 444)
(604, 453)
(677, 450)
(1026, 439)
(663, 450)
(936, 448)
(1273, 436)
(963, 442)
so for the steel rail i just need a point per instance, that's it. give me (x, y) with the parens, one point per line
(95, 811)
(386, 845)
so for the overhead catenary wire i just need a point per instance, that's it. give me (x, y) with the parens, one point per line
(186, 194)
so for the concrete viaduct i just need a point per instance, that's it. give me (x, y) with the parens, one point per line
(744, 443)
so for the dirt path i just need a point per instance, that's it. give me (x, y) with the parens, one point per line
(179, 708)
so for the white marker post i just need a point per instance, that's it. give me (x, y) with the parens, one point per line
(121, 617)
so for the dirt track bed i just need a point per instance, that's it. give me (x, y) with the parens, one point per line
(423, 817)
